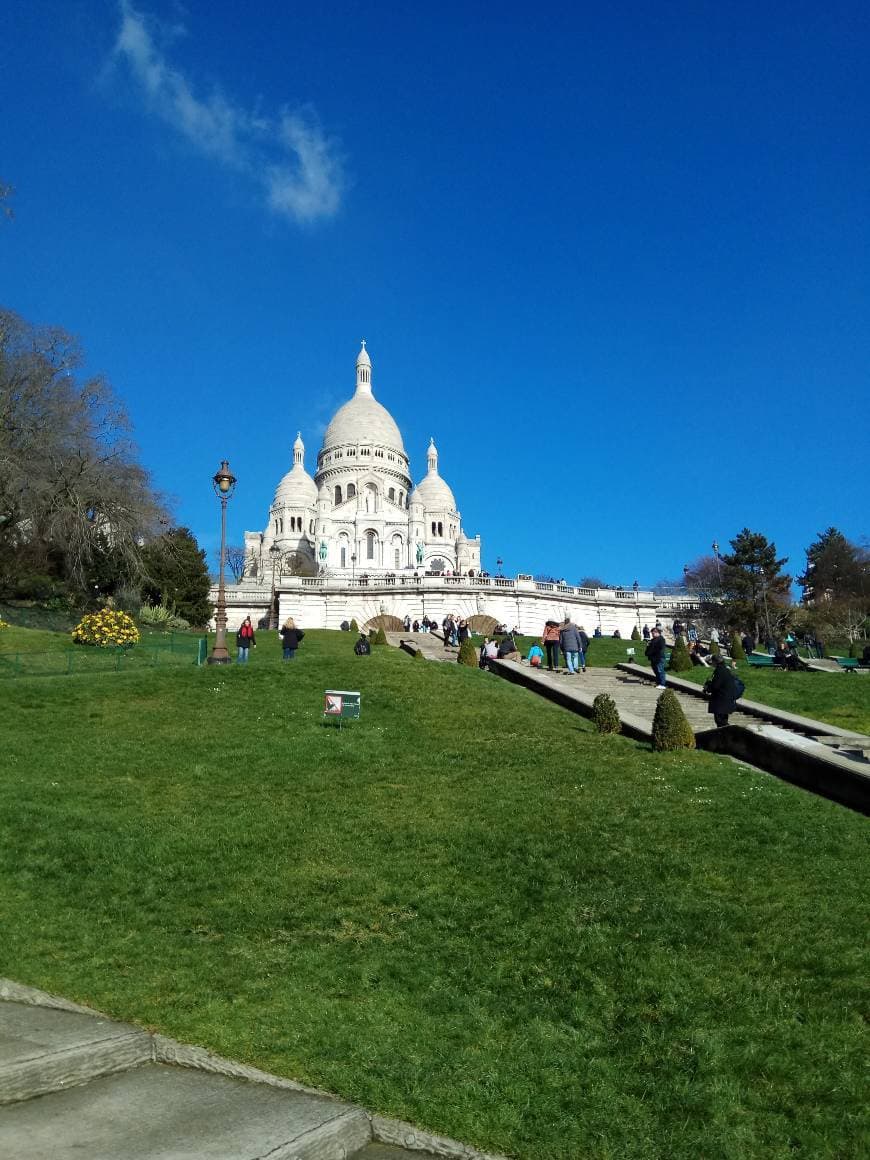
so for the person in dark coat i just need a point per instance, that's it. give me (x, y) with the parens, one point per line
(748, 643)
(655, 654)
(291, 638)
(245, 640)
(723, 692)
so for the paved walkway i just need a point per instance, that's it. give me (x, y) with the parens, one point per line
(75, 1085)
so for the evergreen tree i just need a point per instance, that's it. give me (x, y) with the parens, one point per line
(605, 714)
(635, 633)
(836, 568)
(354, 627)
(680, 661)
(467, 654)
(736, 650)
(755, 589)
(670, 728)
(380, 637)
(178, 576)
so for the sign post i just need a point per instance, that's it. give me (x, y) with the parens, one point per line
(341, 704)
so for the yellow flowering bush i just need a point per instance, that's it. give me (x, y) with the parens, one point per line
(107, 628)
(3, 624)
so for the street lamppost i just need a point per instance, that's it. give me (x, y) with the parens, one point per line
(716, 558)
(274, 552)
(498, 564)
(636, 588)
(352, 567)
(224, 483)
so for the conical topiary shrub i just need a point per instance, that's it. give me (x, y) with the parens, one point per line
(354, 627)
(670, 728)
(737, 651)
(680, 661)
(715, 651)
(605, 714)
(418, 655)
(467, 653)
(380, 637)
(635, 633)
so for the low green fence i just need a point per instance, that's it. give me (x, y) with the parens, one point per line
(152, 652)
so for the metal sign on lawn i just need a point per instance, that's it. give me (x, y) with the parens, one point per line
(341, 703)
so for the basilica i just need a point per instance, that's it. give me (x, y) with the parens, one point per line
(360, 515)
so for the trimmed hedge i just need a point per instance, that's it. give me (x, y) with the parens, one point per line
(605, 714)
(670, 728)
(467, 654)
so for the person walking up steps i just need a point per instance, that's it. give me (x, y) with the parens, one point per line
(550, 640)
(569, 641)
(655, 654)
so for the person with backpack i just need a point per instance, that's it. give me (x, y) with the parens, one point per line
(724, 690)
(362, 648)
(291, 638)
(655, 654)
(245, 640)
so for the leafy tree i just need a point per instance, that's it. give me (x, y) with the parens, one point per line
(177, 575)
(836, 568)
(755, 589)
(75, 504)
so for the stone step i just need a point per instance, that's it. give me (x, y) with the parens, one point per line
(160, 1112)
(43, 1049)
(392, 1152)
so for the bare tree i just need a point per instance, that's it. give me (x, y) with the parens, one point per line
(74, 500)
(236, 561)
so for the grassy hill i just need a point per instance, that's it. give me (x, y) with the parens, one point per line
(466, 909)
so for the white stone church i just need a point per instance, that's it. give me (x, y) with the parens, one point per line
(359, 541)
(360, 514)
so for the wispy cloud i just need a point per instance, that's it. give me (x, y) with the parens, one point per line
(297, 167)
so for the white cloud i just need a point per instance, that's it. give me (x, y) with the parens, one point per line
(297, 167)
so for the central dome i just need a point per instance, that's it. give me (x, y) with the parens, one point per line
(362, 419)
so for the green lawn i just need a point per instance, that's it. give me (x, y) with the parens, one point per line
(466, 909)
(28, 652)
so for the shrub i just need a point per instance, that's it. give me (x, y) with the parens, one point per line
(177, 624)
(715, 651)
(418, 655)
(354, 627)
(635, 633)
(3, 625)
(380, 637)
(155, 615)
(107, 628)
(670, 728)
(467, 654)
(737, 650)
(680, 661)
(605, 714)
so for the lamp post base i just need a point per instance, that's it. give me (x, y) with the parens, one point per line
(219, 660)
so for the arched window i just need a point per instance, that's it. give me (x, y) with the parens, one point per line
(337, 495)
(311, 527)
(351, 490)
(371, 538)
(434, 528)
(391, 495)
(343, 556)
(440, 528)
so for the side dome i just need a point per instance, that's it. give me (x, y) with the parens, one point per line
(297, 488)
(432, 491)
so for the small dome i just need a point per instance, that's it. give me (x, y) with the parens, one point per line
(296, 489)
(434, 494)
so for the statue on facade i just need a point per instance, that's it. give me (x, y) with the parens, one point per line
(419, 552)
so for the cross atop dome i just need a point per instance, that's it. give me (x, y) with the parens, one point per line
(432, 456)
(363, 370)
(298, 451)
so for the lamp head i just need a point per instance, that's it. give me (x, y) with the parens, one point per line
(224, 481)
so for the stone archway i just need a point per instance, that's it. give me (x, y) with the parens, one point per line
(481, 624)
(386, 622)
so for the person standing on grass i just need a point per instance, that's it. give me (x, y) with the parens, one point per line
(245, 640)
(655, 654)
(550, 641)
(723, 692)
(291, 638)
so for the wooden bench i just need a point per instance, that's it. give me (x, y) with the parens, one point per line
(847, 663)
(761, 661)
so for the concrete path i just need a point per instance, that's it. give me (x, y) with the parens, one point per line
(75, 1085)
(431, 646)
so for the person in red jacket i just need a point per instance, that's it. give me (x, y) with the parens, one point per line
(550, 641)
(245, 640)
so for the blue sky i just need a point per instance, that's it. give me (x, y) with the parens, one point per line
(613, 256)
